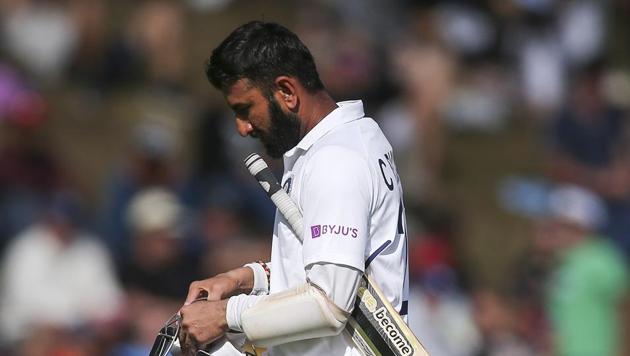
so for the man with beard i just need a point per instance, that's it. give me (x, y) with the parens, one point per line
(339, 170)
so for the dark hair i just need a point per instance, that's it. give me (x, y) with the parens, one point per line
(262, 51)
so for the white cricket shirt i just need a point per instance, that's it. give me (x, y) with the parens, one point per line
(343, 177)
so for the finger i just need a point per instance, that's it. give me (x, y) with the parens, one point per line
(182, 338)
(192, 344)
(188, 350)
(183, 342)
(194, 292)
(187, 342)
(214, 294)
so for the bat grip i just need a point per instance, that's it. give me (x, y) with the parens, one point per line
(268, 181)
(287, 207)
(290, 211)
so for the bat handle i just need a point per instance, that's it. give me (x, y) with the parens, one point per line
(287, 207)
(290, 211)
(260, 170)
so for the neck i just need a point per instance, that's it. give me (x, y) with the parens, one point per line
(315, 110)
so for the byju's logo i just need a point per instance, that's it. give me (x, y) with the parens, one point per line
(337, 230)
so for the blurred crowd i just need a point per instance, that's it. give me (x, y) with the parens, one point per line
(121, 181)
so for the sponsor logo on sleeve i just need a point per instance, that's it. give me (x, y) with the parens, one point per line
(335, 230)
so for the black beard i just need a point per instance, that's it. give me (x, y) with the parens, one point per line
(283, 133)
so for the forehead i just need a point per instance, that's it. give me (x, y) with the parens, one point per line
(242, 91)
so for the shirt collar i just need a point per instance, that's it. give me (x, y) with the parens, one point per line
(345, 112)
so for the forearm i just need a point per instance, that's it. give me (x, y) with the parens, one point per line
(244, 278)
(327, 302)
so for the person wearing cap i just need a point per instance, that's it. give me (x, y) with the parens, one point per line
(158, 269)
(589, 280)
(158, 265)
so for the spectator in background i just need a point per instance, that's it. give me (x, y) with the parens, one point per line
(528, 291)
(150, 50)
(56, 279)
(29, 170)
(150, 162)
(413, 122)
(39, 35)
(356, 69)
(100, 60)
(156, 35)
(588, 148)
(498, 322)
(541, 66)
(440, 311)
(589, 280)
(513, 319)
(158, 264)
(158, 271)
(442, 316)
(549, 39)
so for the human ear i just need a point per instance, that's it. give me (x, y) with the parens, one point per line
(286, 92)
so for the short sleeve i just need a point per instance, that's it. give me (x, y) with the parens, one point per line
(606, 275)
(335, 201)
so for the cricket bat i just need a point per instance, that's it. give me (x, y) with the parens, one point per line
(374, 326)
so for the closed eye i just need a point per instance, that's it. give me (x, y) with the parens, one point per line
(241, 110)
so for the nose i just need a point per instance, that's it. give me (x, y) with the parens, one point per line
(243, 127)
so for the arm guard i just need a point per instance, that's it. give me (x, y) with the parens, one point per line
(300, 313)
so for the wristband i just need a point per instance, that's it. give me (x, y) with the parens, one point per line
(267, 271)
(261, 278)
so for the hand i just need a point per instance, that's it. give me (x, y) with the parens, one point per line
(222, 286)
(202, 323)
